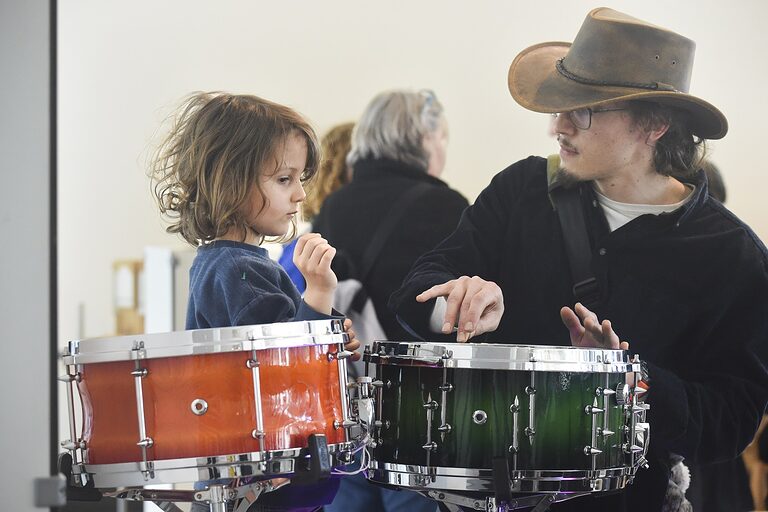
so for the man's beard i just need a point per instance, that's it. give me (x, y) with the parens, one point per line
(566, 179)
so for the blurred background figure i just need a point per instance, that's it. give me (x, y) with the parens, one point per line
(399, 143)
(397, 201)
(332, 174)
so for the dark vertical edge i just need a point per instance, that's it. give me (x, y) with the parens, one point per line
(53, 236)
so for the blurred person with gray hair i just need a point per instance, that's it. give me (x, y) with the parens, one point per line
(398, 155)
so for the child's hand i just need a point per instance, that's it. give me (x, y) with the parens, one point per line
(353, 344)
(313, 256)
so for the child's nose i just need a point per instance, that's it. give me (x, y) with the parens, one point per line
(300, 195)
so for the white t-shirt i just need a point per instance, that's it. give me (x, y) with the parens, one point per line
(619, 214)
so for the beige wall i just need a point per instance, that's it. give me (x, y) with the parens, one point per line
(123, 65)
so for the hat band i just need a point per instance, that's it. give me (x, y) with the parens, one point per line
(654, 86)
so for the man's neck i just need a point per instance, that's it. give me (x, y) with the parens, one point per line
(649, 187)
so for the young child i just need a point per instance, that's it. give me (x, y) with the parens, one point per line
(229, 175)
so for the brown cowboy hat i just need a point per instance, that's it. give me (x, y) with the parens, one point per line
(614, 57)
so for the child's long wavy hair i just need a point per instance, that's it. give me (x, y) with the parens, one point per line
(205, 169)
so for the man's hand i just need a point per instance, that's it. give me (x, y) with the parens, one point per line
(353, 344)
(473, 304)
(587, 331)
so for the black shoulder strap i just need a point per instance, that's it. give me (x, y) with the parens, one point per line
(570, 211)
(387, 226)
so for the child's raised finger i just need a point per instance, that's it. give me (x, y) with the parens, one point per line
(301, 243)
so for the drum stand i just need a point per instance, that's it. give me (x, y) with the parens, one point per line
(459, 503)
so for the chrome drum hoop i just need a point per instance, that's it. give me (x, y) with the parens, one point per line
(205, 341)
(481, 480)
(257, 465)
(494, 356)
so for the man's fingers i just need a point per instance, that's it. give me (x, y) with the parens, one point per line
(439, 290)
(478, 310)
(610, 338)
(573, 324)
(453, 305)
(569, 318)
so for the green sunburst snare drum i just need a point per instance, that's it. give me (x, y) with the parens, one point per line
(560, 419)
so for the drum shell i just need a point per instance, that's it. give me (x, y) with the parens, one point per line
(300, 395)
(562, 426)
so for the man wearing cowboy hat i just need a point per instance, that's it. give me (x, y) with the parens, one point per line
(681, 278)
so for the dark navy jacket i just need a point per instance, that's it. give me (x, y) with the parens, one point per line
(688, 290)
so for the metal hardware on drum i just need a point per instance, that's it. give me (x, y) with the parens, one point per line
(258, 432)
(139, 374)
(515, 447)
(530, 430)
(198, 406)
(540, 502)
(217, 497)
(479, 417)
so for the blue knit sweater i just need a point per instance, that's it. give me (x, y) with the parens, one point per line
(234, 283)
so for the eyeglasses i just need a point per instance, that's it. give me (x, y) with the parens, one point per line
(582, 118)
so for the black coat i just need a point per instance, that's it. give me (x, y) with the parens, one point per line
(688, 290)
(350, 216)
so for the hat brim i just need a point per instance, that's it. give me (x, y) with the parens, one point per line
(536, 85)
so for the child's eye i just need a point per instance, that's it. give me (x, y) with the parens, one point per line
(284, 179)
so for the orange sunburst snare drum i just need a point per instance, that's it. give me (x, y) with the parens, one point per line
(207, 404)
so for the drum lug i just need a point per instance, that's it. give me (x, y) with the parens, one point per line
(380, 384)
(343, 354)
(604, 432)
(382, 424)
(257, 434)
(599, 391)
(140, 372)
(591, 451)
(71, 446)
(446, 387)
(430, 447)
(343, 424)
(431, 405)
(77, 377)
(445, 428)
(514, 408)
(631, 449)
(592, 409)
(530, 390)
(147, 442)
